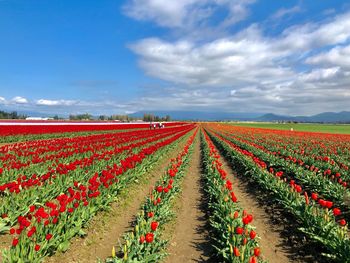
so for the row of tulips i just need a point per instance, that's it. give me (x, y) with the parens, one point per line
(311, 182)
(65, 161)
(235, 238)
(12, 132)
(315, 221)
(41, 189)
(44, 153)
(47, 227)
(22, 138)
(327, 154)
(144, 243)
(317, 162)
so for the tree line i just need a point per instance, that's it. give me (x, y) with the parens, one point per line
(86, 116)
(11, 115)
(124, 118)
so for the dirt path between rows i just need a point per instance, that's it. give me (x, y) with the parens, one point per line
(189, 242)
(106, 228)
(272, 242)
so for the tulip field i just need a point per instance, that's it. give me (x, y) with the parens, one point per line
(57, 179)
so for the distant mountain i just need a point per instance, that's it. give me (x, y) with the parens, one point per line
(199, 115)
(327, 117)
(269, 117)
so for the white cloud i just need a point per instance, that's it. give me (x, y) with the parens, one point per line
(255, 70)
(217, 63)
(45, 102)
(186, 13)
(321, 74)
(19, 100)
(339, 56)
(286, 12)
(312, 36)
(2, 100)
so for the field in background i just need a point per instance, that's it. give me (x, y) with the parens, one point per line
(309, 127)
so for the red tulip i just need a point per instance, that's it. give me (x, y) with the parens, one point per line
(154, 226)
(149, 237)
(252, 234)
(322, 202)
(257, 251)
(142, 239)
(14, 242)
(328, 204)
(253, 260)
(239, 230)
(314, 196)
(298, 188)
(236, 251)
(12, 231)
(32, 208)
(150, 214)
(159, 189)
(37, 247)
(48, 236)
(342, 222)
(336, 211)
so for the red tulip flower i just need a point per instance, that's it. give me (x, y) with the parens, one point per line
(14, 242)
(150, 214)
(342, 222)
(336, 211)
(252, 234)
(253, 260)
(142, 239)
(236, 251)
(154, 226)
(149, 237)
(37, 247)
(239, 230)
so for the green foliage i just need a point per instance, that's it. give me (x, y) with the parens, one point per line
(11, 115)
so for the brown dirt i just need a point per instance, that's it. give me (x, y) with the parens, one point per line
(189, 242)
(106, 228)
(5, 242)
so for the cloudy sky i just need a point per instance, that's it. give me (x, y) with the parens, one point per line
(114, 56)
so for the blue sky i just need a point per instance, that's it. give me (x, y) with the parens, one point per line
(110, 56)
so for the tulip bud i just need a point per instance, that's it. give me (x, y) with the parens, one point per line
(113, 252)
(125, 258)
(231, 249)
